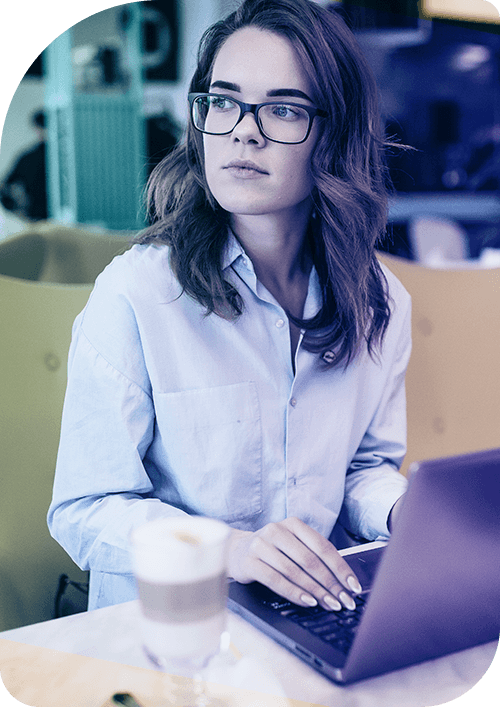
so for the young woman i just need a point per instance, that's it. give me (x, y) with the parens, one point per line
(246, 359)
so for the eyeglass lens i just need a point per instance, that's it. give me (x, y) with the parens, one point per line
(278, 121)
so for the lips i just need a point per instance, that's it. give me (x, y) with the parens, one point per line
(245, 165)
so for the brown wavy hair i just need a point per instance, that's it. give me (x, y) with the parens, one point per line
(350, 189)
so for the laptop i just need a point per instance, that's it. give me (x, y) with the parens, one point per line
(432, 589)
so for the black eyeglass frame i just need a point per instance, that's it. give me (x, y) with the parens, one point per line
(254, 109)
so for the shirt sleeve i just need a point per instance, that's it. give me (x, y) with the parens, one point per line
(373, 482)
(102, 489)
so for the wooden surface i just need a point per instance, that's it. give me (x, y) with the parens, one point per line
(81, 660)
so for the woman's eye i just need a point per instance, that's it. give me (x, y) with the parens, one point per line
(221, 104)
(285, 112)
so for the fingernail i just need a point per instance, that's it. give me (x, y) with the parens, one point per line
(354, 585)
(347, 601)
(332, 603)
(309, 600)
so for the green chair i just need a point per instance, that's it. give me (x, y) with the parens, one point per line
(35, 330)
(50, 252)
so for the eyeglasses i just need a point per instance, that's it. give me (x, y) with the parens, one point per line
(216, 114)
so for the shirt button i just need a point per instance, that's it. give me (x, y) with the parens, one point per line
(293, 402)
(280, 323)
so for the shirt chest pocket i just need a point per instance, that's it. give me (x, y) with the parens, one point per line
(212, 441)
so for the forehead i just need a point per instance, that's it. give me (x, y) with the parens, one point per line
(259, 60)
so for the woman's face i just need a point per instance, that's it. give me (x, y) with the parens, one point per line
(256, 66)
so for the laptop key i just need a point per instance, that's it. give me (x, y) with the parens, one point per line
(334, 638)
(284, 604)
(291, 613)
(343, 646)
(314, 622)
(324, 631)
(349, 621)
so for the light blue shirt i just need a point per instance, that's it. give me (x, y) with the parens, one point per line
(169, 411)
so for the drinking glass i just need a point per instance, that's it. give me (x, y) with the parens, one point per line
(180, 568)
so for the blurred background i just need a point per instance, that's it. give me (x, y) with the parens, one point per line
(112, 93)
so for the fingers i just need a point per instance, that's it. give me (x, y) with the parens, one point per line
(296, 562)
(316, 565)
(302, 579)
(325, 553)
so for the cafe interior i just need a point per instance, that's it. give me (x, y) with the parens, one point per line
(111, 91)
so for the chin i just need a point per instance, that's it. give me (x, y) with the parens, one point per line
(258, 204)
(242, 208)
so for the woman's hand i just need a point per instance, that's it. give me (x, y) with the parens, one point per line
(294, 561)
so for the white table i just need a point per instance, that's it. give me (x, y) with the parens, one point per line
(110, 634)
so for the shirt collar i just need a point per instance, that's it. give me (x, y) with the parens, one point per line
(312, 304)
(232, 251)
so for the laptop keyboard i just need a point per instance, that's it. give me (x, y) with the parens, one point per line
(337, 628)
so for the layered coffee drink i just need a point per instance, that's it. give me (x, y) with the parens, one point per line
(180, 568)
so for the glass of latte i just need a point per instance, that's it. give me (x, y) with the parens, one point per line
(180, 568)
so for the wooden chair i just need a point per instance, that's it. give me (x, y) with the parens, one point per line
(35, 330)
(453, 379)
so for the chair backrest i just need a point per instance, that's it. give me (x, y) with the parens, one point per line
(50, 252)
(453, 379)
(35, 326)
(36, 317)
(23, 256)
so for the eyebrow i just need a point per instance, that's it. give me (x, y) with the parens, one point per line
(274, 93)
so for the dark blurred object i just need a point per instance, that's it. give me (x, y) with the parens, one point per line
(400, 160)
(159, 38)
(162, 134)
(483, 175)
(36, 68)
(475, 165)
(445, 122)
(24, 190)
(396, 241)
(379, 15)
(124, 698)
(442, 92)
(71, 597)
(110, 65)
(444, 137)
(483, 166)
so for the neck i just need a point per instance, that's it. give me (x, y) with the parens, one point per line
(276, 243)
(280, 253)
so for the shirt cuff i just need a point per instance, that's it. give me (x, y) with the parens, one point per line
(369, 498)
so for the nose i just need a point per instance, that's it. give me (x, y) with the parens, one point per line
(248, 131)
